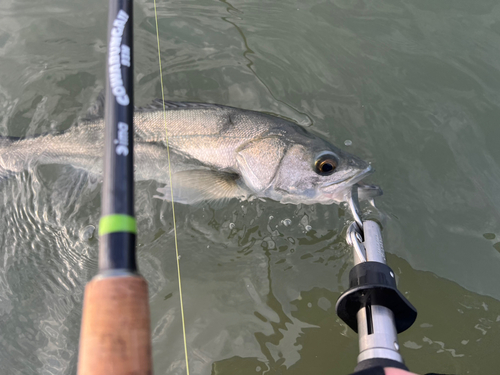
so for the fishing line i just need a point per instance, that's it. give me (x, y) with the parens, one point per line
(172, 196)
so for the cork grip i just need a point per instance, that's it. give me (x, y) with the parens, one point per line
(115, 336)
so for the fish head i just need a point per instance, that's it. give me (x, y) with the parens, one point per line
(316, 172)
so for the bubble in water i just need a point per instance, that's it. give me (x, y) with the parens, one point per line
(271, 217)
(231, 225)
(348, 142)
(258, 369)
(309, 304)
(308, 228)
(87, 233)
(286, 222)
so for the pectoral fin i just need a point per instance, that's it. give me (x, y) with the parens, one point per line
(194, 186)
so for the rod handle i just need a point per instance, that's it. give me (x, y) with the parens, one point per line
(115, 336)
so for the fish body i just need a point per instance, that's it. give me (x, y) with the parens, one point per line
(216, 152)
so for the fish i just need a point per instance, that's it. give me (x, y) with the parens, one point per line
(216, 153)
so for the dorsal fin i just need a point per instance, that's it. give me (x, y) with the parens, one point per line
(157, 105)
(5, 139)
(96, 111)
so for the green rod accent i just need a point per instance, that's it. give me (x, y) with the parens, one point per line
(117, 223)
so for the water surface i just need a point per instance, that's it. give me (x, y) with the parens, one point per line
(414, 85)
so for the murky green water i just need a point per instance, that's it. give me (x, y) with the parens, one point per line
(413, 84)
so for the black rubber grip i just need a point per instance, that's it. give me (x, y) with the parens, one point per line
(377, 362)
(371, 371)
(371, 283)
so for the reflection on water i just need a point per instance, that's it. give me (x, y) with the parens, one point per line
(434, 343)
(42, 280)
(412, 85)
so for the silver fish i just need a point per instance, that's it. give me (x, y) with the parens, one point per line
(216, 153)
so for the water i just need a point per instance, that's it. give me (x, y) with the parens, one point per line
(413, 85)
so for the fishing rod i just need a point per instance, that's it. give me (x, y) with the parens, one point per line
(115, 333)
(373, 306)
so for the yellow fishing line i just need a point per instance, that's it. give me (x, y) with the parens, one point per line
(172, 196)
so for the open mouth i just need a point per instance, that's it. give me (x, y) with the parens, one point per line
(352, 178)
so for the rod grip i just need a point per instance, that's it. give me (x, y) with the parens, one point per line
(115, 335)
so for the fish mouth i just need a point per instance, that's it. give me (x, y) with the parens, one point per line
(351, 178)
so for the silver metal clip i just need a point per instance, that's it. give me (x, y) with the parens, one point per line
(354, 239)
(355, 232)
(353, 201)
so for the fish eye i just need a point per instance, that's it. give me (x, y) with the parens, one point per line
(326, 165)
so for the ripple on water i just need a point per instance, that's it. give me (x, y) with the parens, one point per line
(45, 266)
